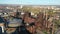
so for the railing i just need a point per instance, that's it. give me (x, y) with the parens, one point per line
(2, 26)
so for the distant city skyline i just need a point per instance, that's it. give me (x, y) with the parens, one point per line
(31, 2)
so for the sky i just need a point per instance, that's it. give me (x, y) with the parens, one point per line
(31, 2)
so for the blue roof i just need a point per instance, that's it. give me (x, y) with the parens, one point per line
(1, 20)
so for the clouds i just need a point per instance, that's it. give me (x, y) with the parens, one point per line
(32, 2)
(9, 1)
(41, 2)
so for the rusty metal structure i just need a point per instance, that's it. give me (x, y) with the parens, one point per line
(40, 22)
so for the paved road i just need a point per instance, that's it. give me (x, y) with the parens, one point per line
(57, 32)
(39, 32)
